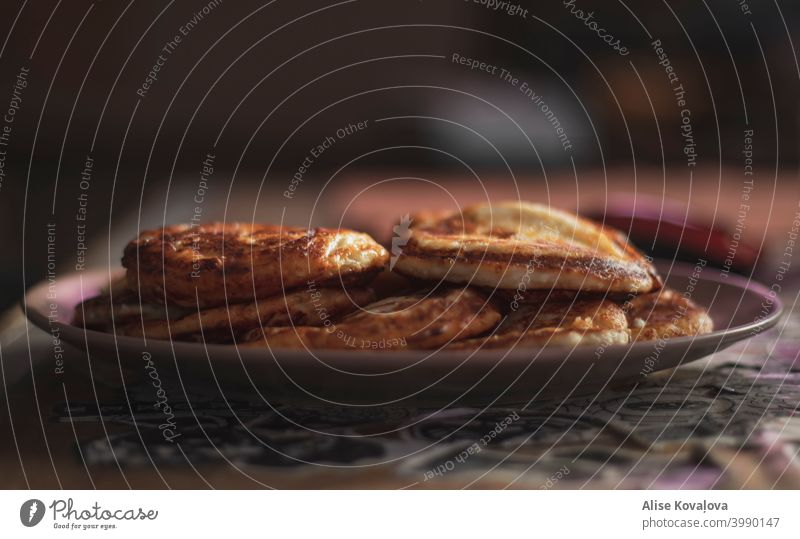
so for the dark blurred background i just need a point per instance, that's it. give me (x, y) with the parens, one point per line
(259, 84)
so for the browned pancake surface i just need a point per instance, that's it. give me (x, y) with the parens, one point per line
(418, 321)
(520, 244)
(666, 314)
(557, 323)
(218, 264)
(306, 307)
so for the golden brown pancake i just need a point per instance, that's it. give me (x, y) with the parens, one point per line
(515, 245)
(666, 314)
(418, 321)
(513, 299)
(217, 264)
(122, 307)
(556, 323)
(306, 307)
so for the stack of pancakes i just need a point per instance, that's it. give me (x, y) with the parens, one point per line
(489, 276)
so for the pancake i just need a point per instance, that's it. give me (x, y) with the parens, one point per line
(306, 307)
(556, 323)
(416, 321)
(512, 299)
(521, 245)
(221, 263)
(118, 305)
(666, 314)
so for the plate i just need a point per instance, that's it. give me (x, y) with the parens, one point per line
(740, 309)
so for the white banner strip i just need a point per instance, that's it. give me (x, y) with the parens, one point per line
(401, 514)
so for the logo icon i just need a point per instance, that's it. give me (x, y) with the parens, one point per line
(31, 513)
(401, 234)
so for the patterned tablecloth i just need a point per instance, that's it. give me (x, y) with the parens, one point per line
(729, 421)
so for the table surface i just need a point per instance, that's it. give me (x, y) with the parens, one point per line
(728, 421)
